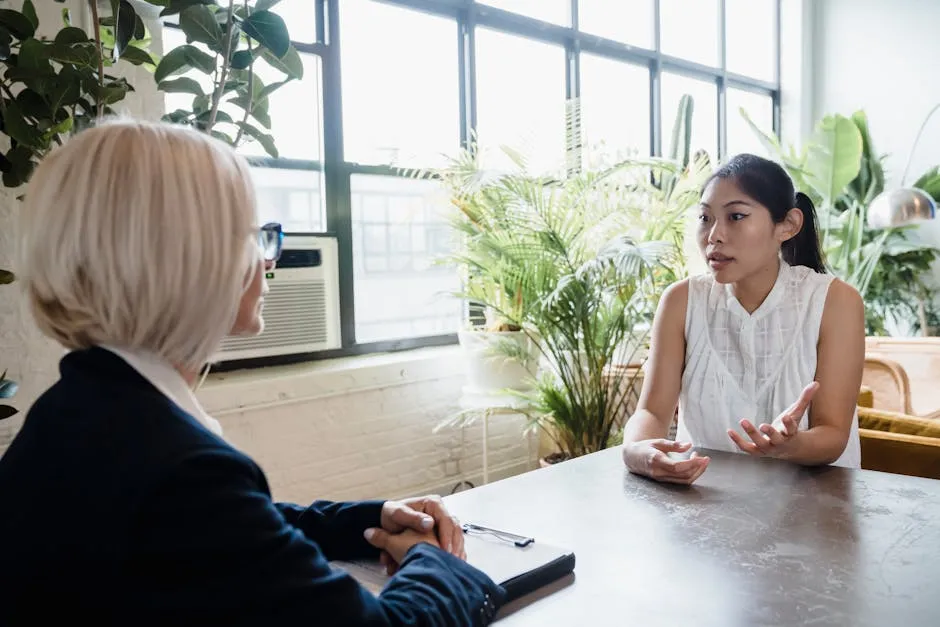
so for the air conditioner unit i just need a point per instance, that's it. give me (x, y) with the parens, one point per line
(301, 310)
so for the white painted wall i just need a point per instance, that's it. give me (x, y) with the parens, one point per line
(882, 57)
(349, 429)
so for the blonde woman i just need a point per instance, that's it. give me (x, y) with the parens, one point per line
(121, 503)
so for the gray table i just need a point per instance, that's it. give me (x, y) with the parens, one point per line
(753, 542)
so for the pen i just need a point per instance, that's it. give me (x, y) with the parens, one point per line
(520, 541)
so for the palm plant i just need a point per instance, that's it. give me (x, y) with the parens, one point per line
(578, 264)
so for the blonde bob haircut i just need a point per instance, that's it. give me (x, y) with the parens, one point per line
(142, 236)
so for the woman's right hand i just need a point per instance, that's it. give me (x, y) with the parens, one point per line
(397, 545)
(651, 458)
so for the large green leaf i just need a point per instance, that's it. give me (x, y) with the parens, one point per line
(200, 25)
(680, 149)
(19, 128)
(6, 411)
(29, 12)
(125, 25)
(833, 157)
(181, 59)
(8, 388)
(269, 30)
(264, 5)
(137, 56)
(290, 63)
(177, 6)
(930, 183)
(6, 277)
(182, 85)
(266, 141)
(18, 24)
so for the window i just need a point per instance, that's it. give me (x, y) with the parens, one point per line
(400, 105)
(400, 228)
(760, 108)
(555, 11)
(704, 111)
(629, 21)
(520, 100)
(400, 85)
(690, 30)
(751, 26)
(615, 107)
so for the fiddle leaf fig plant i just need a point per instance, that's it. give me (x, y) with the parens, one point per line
(219, 67)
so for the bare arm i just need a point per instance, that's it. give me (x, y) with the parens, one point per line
(645, 450)
(663, 374)
(840, 361)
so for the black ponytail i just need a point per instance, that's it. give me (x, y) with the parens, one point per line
(803, 249)
(769, 184)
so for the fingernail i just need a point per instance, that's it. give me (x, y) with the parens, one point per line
(427, 522)
(368, 533)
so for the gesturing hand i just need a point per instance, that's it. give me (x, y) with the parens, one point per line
(775, 440)
(651, 458)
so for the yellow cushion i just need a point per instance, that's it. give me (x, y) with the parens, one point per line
(866, 398)
(890, 422)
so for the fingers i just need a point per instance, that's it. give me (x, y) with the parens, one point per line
(376, 537)
(663, 468)
(797, 409)
(391, 566)
(741, 443)
(449, 532)
(670, 446)
(776, 437)
(403, 516)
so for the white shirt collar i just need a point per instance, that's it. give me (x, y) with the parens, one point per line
(169, 382)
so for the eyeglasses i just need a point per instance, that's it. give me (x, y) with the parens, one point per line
(271, 241)
(520, 541)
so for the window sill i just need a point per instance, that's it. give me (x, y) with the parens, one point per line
(232, 392)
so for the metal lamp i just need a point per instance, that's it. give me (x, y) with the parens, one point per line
(903, 205)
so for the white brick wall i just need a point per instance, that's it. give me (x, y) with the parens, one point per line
(363, 427)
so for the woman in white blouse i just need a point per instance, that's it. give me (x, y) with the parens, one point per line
(748, 348)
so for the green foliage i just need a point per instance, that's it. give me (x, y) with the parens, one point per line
(577, 263)
(217, 67)
(841, 171)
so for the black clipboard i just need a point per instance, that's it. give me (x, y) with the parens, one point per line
(519, 564)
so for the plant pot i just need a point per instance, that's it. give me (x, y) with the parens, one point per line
(551, 460)
(490, 373)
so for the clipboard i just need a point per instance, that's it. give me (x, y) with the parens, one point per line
(519, 564)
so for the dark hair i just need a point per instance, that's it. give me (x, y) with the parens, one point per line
(769, 184)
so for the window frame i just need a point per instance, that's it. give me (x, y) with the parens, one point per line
(468, 15)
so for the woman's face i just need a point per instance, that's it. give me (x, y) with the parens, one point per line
(737, 234)
(249, 320)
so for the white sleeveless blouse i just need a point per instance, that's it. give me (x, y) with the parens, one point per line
(754, 366)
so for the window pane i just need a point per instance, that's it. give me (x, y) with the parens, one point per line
(760, 108)
(629, 21)
(554, 11)
(399, 228)
(294, 109)
(615, 106)
(690, 29)
(751, 46)
(291, 197)
(400, 85)
(520, 100)
(704, 111)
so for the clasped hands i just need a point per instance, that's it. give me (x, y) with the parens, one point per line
(651, 457)
(404, 524)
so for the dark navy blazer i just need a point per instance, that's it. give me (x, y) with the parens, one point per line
(118, 508)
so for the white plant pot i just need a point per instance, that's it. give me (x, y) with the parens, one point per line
(489, 373)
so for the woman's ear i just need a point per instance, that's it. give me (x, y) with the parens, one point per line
(791, 226)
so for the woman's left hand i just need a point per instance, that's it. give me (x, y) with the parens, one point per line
(423, 514)
(774, 440)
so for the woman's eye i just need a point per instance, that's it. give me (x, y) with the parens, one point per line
(703, 218)
(738, 216)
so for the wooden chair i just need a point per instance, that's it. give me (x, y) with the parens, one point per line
(889, 384)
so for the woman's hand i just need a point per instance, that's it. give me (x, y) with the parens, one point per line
(395, 546)
(651, 458)
(423, 514)
(775, 440)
